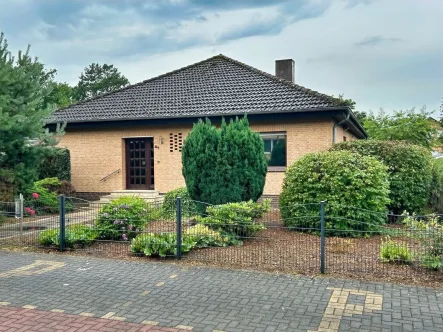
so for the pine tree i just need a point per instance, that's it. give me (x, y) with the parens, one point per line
(98, 79)
(224, 165)
(24, 91)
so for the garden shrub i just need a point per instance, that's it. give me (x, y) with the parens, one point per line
(74, 235)
(43, 196)
(6, 185)
(165, 244)
(238, 219)
(355, 189)
(123, 218)
(394, 252)
(436, 198)
(409, 169)
(225, 164)
(203, 236)
(429, 232)
(56, 163)
(169, 204)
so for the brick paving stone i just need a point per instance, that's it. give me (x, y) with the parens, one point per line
(205, 299)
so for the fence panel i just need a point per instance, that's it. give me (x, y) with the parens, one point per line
(355, 242)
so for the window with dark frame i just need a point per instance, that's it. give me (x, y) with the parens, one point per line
(275, 148)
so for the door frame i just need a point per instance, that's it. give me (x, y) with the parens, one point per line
(149, 146)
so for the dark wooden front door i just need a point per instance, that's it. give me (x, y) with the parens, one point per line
(139, 163)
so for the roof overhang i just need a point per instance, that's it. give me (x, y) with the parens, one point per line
(335, 113)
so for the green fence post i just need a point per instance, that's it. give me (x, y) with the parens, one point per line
(178, 206)
(322, 236)
(62, 211)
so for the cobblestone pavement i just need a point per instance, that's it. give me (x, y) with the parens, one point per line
(82, 294)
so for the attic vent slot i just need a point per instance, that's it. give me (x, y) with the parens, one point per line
(175, 142)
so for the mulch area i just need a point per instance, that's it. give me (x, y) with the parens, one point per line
(277, 249)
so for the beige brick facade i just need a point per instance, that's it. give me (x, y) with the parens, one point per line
(95, 153)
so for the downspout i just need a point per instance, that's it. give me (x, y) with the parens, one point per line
(334, 134)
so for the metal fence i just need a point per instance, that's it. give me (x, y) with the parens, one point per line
(316, 238)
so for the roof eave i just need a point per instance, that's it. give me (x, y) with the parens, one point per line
(305, 110)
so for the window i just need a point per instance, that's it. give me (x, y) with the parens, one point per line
(275, 148)
(344, 139)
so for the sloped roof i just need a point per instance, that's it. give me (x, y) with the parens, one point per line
(216, 86)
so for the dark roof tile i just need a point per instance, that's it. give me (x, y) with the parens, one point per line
(218, 85)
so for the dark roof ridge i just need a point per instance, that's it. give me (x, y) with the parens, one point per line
(273, 77)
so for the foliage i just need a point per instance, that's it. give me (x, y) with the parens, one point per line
(239, 219)
(61, 94)
(409, 169)
(74, 235)
(395, 252)
(170, 201)
(123, 218)
(224, 165)
(355, 188)
(24, 104)
(410, 126)
(6, 185)
(98, 79)
(46, 200)
(56, 162)
(346, 102)
(437, 185)
(204, 237)
(429, 232)
(162, 245)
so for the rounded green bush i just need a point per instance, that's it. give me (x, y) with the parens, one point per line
(123, 218)
(409, 169)
(354, 187)
(170, 201)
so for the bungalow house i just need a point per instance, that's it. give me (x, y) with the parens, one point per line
(131, 139)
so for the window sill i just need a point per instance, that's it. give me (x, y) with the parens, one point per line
(276, 168)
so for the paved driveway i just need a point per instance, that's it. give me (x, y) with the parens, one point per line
(55, 292)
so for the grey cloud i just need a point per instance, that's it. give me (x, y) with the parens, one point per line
(375, 40)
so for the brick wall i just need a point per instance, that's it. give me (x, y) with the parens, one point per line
(99, 152)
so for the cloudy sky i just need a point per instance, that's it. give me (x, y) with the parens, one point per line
(381, 53)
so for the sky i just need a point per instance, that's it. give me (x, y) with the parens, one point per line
(381, 53)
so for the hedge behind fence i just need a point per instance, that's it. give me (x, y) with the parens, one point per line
(409, 169)
(56, 163)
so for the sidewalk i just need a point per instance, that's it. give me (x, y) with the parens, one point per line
(63, 290)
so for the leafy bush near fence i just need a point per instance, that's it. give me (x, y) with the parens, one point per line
(429, 232)
(355, 188)
(165, 244)
(204, 237)
(43, 196)
(436, 199)
(409, 169)
(239, 219)
(169, 204)
(394, 252)
(74, 235)
(123, 218)
(225, 164)
(56, 163)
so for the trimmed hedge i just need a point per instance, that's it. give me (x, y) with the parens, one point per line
(56, 163)
(409, 169)
(355, 188)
